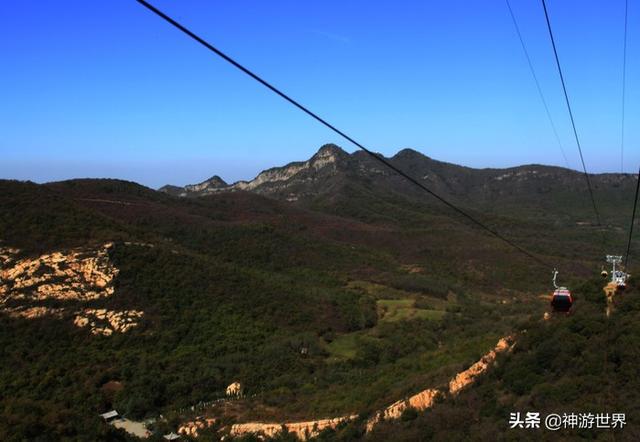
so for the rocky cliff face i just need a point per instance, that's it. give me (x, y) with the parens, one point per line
(326, 162)
(74, 275)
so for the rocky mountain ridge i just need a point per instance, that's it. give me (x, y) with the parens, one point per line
(325, 162)
(332, 169)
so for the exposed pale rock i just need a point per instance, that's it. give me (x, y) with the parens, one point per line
(302, 430)
(192, 428)
(467, 377)
(7, 255)
(34, 312)
(234, 389)
(78, 275)
(110, 320)
(421, 401)
(74, 275)
(105, 331)
(81, 321)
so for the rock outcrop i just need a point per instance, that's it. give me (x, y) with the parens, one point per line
(76, 275)
(234, 389)
(467, 377)
(421, 401)
(191, 428)
(302, 430)
(34, 312)
(106, 322)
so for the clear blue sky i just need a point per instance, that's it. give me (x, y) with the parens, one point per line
(106, 89)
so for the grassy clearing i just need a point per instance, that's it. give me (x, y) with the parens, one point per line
(384, 292)
(346, 346)
(343, 346)
(392, 306)
(405, 309)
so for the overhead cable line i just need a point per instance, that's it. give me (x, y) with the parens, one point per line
(339, 132)
(535, 79)
(573, 123)
(633, 217)
(624, 84)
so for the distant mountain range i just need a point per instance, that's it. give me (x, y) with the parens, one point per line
(517, 190)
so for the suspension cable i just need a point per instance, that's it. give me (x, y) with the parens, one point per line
(624, 85)
(538, 87)
(633, 217)
(375, 156)
(573, 124)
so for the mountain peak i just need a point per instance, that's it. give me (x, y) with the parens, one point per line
(213, 184)
(216, 181)
(409, 153)
(331, 149)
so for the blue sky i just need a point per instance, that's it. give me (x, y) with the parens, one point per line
(106, 89)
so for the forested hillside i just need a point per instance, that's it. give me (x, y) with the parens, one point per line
(582, 363)
(339, 306)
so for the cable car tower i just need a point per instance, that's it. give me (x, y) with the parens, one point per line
(618, 277)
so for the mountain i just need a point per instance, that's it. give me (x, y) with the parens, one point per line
(519, 191)
(327, 162)
(211, 185)
(360, 292)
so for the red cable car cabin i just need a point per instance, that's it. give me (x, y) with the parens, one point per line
(561, 301)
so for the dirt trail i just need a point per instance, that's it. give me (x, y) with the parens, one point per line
(420, 401)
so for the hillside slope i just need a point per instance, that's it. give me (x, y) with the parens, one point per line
(583, 363)
(339, 302)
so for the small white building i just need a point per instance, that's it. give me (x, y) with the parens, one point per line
(110, 415)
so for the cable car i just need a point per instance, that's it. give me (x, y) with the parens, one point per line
(561, 300)
(620, 278)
